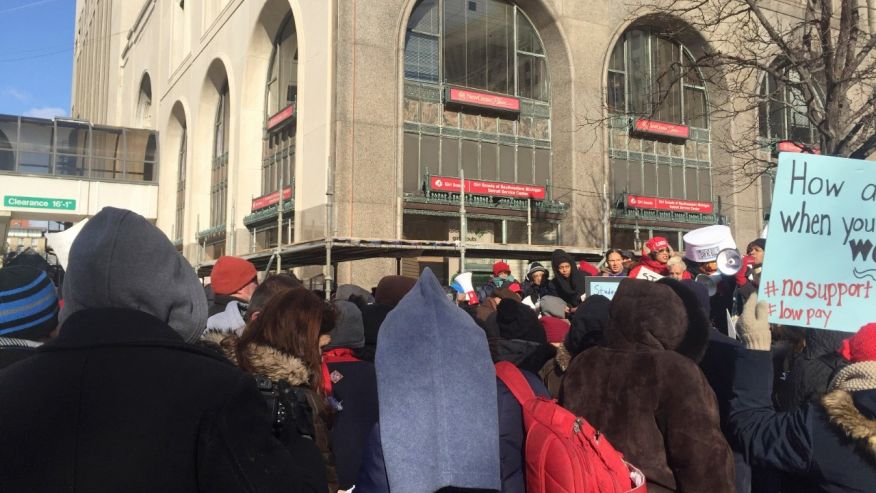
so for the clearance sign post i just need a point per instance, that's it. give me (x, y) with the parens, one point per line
(820, 264)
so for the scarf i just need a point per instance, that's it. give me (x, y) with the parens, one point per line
(499, 282)
(855, 377)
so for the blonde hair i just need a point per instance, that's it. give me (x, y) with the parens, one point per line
(675, 260)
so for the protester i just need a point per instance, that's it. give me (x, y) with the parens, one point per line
(270, 287)
(502, 278)
(811, 369)
(120, 401)
(283, 344)
(28, 312)
(347, 291)
(537, 283)
(556, 328)
(568, 282)
(829, 444)
(613, 264)
(701, 249)
(655, 254)
(390, 290)
(488, 306)
(422, 442)
(748, 277)
(644, 391)
(588, 325)
(354, 386)
(233, 281)
(676, 269)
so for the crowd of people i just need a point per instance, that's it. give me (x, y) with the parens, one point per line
(135, 377)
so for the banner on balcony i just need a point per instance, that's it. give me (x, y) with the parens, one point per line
(492, 188)
(270, 199)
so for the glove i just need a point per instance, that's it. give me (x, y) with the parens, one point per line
(753, 327)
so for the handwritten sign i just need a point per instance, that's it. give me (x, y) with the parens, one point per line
(820, 265)
(606, 286)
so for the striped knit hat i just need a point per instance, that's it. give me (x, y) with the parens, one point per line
(28, 303)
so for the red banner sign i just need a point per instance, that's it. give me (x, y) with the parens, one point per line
(270, 199)
(661, 204)
(483, 99)
(497, 189)
(281, 116)
(790, 146)
(665, 129)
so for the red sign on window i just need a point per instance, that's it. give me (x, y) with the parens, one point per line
(665, 129)
(493, 188)
(270, 199)
(281, 116)
(482, 99)
(791, 146)
(661, 204)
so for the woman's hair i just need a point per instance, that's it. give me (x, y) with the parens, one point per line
(613, 250)
(675, 259)
(291, 322)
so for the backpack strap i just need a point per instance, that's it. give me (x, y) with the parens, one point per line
(511, 376)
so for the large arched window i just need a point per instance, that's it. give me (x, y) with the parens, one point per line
(181, 184)
(654, 77)
(281, 94)
(219, 168)
(659, 141)
(489, 49)
(782, 113)
(144, 103)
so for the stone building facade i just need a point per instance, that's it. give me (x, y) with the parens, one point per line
(361, 113)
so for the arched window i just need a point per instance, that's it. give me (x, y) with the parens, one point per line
(782, 113)
(144, 103)
(281, 94)
(659, 140)
(219, 168)
(489, 49)
(181, 184)
(654, 77)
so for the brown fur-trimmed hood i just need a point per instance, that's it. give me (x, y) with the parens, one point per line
(266, 360)
(841, 411)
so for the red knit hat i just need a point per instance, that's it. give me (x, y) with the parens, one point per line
(861, 346)
(230, 274)
(654, 244)
(500, 267)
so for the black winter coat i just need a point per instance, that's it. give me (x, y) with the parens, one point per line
(822, 443)
(14, 350)
(118, 402)
(811, 370)
(354, 385)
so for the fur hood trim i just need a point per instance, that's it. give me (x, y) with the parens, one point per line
(266, 360)
(842, 412)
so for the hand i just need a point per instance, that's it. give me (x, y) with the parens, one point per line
(753, 326)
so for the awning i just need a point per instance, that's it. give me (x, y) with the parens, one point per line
(352, 249)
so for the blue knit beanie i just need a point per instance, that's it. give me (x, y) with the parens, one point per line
(436, 388)
(28, 303)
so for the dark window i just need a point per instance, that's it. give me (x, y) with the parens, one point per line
(281, 93)
(219, 168)
(181, 185)
(782, 113)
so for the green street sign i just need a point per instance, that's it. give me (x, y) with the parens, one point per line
(39, 203)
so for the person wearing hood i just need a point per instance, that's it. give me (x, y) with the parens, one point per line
(644, 391)
(233, 281)
(811, 370)
(588, 325)
(829, 443)
(568, 281)
(436, 390)
(354, 386)
(537, 283)
(283, 345)
(122, 400)
(28, 312)
(655, 254)
(502, 278)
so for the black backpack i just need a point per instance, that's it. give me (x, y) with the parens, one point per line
(289, 407)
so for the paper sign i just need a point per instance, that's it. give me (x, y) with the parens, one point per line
(648, 275)
(606, 286)
(820, 264)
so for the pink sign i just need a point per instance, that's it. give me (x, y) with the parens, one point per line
(483, 99)
(270, 199)
(494, 188)
(661, 204)
(281, 116)
(662, 128)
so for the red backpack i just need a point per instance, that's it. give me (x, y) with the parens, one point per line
(563, 453)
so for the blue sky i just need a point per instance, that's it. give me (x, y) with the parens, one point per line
(36, 56)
